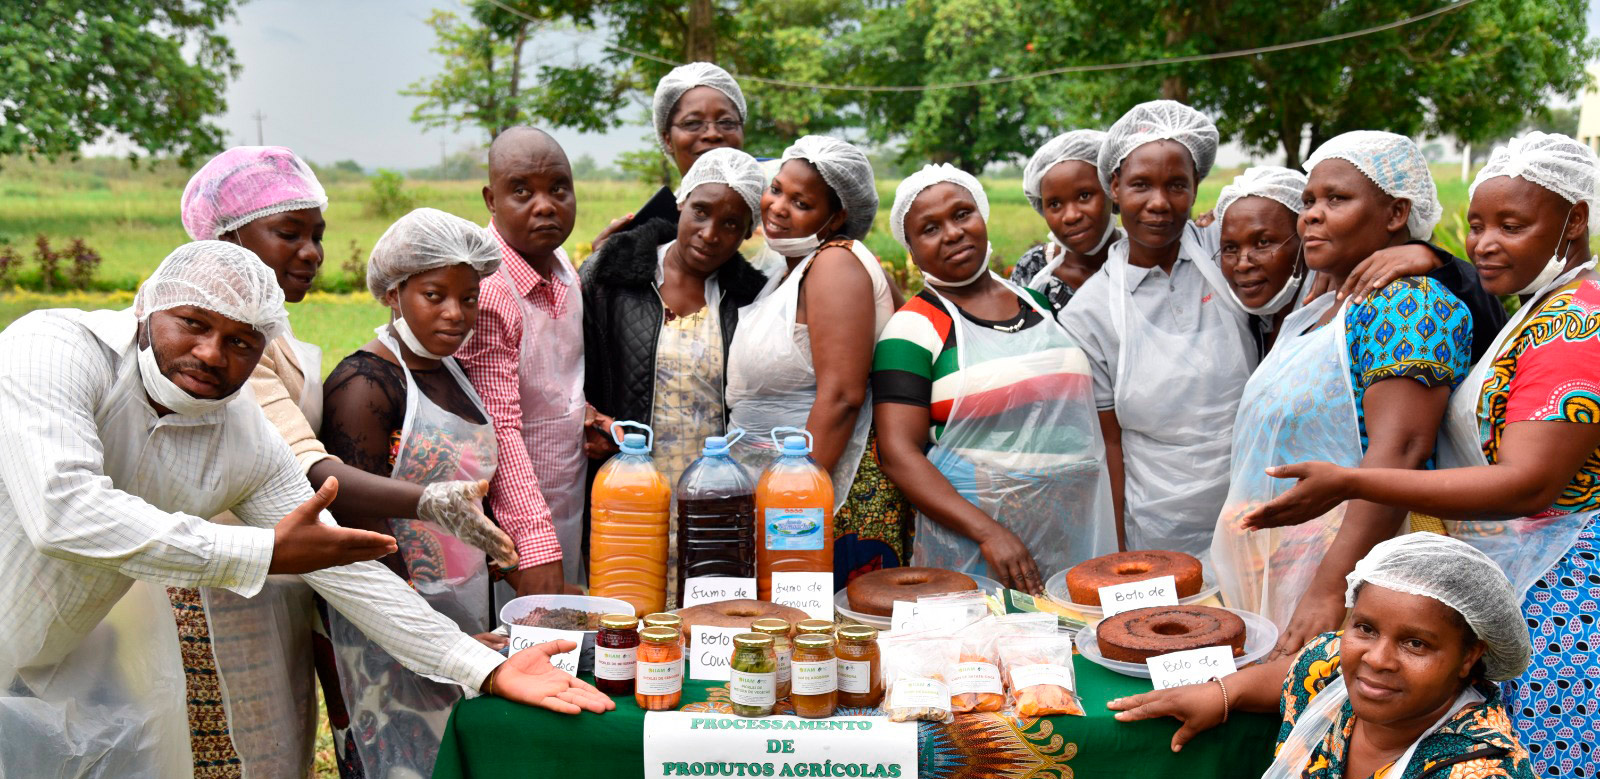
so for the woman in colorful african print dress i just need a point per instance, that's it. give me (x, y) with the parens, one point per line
(1523, 438)
(1406, 692)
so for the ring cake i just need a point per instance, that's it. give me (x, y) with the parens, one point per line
(1138, 635)
(1085, 579)
(875, 593)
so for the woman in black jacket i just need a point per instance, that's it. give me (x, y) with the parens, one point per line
(660, 303)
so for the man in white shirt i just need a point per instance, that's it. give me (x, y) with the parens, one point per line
(121, 431)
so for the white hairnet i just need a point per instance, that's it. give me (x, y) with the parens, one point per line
(1552, 161)
(244, 184)
(217, 276)
(738, 170)
(927, 177)
(1396, 165)
(425, 239)
(1273, 182)
(848, 172)
(1080, 145)
(684, 78)
(1461, 577)
(1159, 120)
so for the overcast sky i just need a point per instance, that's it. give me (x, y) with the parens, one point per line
(327, 73)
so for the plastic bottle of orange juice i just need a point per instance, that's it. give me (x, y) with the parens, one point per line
(794, 513)
(628, 525)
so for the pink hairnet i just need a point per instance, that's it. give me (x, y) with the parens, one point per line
(244, 184)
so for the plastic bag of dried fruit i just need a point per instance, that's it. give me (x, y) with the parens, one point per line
(1038, 672)
(916, 675)
(975, 684)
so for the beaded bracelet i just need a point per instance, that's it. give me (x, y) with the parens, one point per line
(1224, 689)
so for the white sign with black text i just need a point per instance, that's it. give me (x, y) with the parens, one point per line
(1117, 598)
(524, 636)
(716, 589)
(808, 591)
(1191, 666)
(711, 651)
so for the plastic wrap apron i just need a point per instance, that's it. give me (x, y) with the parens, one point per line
(1028, 453)
(1320, 717)
(397, 717)
(551, 378)
(1176, 395)
(113, 706)
(262, 646)
(1298, 406)
(1524, 548)
(772, 383)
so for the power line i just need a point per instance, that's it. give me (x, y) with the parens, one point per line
(1455, 6)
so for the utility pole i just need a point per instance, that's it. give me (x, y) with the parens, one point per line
(259, 117)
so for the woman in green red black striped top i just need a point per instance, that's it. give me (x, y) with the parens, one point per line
(1014, 481)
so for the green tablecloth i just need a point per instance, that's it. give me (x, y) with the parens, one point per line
(493, 738)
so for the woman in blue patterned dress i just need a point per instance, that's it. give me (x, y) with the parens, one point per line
(1523, 439)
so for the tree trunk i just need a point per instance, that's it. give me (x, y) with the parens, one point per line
(701, 45)
(513, 107)
(491, 106)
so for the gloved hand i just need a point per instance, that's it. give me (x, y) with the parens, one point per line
(457, 506)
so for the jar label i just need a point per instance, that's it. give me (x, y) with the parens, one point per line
(1023, 677)
(794, 529)
(614, 664)
(659, 678)
(976, 677)
(819, 678)
(748, 689)
(855, 676)
(784, 659)
(917, 692)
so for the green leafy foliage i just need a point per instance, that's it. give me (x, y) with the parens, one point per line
(389, 198)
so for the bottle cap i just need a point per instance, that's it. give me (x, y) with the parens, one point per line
(752, 640)
(814, 641)
(858, 633)
(634, 443)
(814, 626)
(715, 445)
(660, 635)
(795, 445)
(771, 626)
(662, 619)
(619, 622)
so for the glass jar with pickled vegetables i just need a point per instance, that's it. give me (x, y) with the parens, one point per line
(781, 646)
(615, 654)
(658, 682)
(752, 675)
(860, 677)
(815, 691)
(813, 626)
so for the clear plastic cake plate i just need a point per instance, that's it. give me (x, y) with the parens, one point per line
(841, 603)
(1260, 635)
(1056, 589)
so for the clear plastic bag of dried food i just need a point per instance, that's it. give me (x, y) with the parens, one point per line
(975, 684)
(1039, 678)
(916, 675)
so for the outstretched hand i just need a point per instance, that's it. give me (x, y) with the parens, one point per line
(1321, 488)
(1199, 707)
(528, 677)
(302, 543)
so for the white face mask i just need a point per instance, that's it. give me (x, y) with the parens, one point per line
(1111, 227)
(409, 338)
(983, 268)
(1284, 296)
(1552, 269)
(794, 247)
(171, 396)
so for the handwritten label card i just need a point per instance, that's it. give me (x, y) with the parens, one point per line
(1192, 666)
(710, 651)
(904, 616)
(1160, 591)
(811, 592)
(524, 636)
(715, 589)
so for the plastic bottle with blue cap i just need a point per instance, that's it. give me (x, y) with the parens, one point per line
(716, 516)
(794, 512)
(629, 514)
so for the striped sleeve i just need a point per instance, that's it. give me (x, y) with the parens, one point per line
(903, 363)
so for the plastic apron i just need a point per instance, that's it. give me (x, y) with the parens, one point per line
(1176, 396)
(1322, 714)
(772, 382)
(551, 377)
(1298, 406)
(1028, 453)
(262, 646)
(397, 717)
(1524, 548)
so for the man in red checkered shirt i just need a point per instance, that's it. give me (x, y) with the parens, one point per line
(526, 360)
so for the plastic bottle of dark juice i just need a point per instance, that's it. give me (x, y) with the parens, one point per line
(716, 516)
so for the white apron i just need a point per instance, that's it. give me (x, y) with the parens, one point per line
(397, 717)
(1322, 714)
(1176, 396)
(1029, 454)
(772, 382)
(1298, 406)
(551, 375)
(1524, 548)
(262, 646)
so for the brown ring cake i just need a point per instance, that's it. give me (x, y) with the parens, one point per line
(736, 614)
(875, 593)
(1138, 635)
(1085, 579)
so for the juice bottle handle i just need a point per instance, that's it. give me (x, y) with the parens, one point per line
(734, 436)
(778, 444)
(649, 434)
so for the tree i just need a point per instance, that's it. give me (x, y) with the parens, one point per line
(150, 70)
